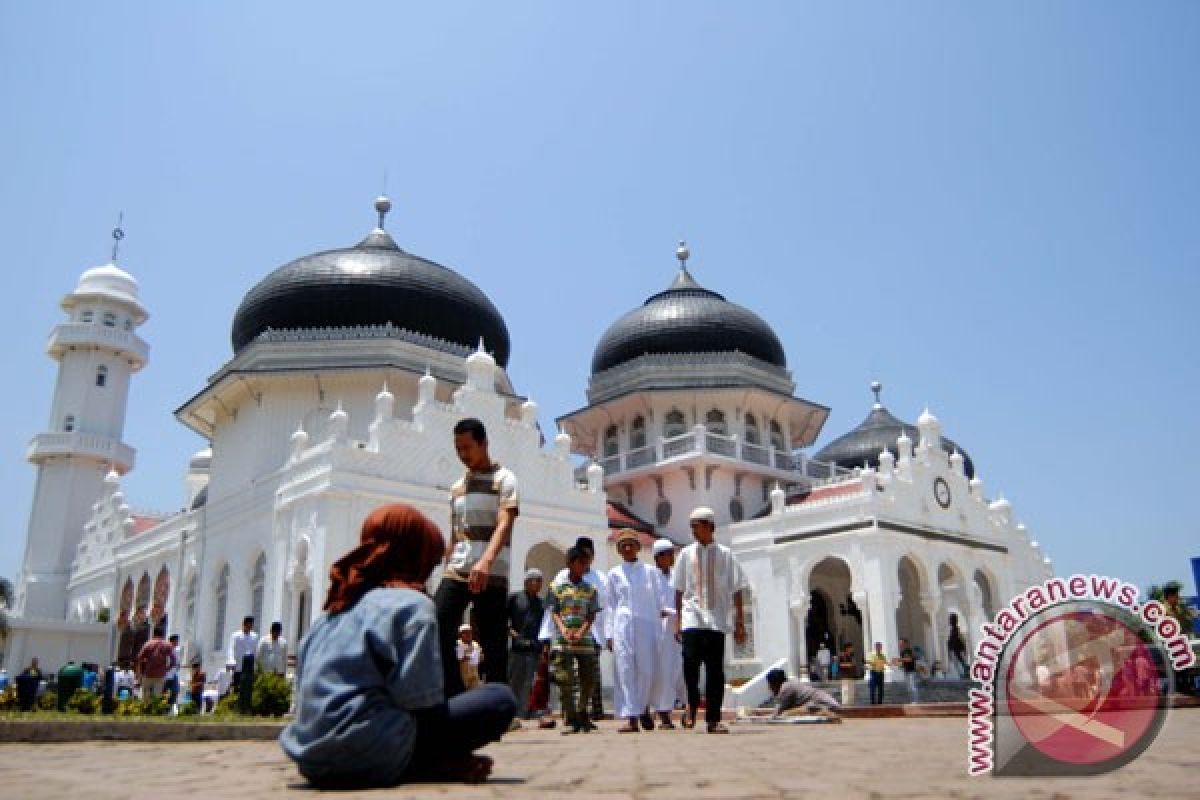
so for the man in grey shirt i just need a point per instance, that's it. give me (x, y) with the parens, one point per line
(794, 698)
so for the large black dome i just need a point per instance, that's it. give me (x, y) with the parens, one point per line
(372, 283)
(878, 432)
(687, 318)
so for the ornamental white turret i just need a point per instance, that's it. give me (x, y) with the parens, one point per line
(97, 352)
(481, 370)
(931, 433)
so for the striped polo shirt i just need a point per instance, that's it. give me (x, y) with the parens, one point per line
(475, 503)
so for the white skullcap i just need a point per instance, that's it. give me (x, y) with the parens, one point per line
(663, 546)
(703, 514)
(534, 574)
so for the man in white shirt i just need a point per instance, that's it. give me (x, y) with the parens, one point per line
(243, 644)
(668, 673)
(272, 652)
(823, 661)
(707, 580)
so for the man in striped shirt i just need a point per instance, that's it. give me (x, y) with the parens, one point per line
(483, 507)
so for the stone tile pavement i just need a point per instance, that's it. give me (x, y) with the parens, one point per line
(867, 758)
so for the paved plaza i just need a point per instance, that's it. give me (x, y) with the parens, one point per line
(859, 758)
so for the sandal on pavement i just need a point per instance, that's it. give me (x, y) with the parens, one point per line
(717, 727)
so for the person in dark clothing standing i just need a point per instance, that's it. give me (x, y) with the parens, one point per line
(957, 647)
(524, 619)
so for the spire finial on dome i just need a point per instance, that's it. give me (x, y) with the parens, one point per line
(382, 206)
(683, 254)
(876, 388)
(117, 236)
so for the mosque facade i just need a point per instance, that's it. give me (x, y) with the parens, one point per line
(350, 368)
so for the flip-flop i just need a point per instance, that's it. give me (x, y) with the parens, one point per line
(717, 727)
(688, 720)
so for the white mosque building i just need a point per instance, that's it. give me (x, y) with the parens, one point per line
(351, 366)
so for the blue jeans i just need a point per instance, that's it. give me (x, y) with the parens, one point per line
(875, 683)
(464, 723)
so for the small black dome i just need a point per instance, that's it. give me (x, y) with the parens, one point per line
(878, 432)
(372, 283)
(687, 318)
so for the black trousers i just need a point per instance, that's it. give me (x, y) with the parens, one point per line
(707, 648)
(491, 621)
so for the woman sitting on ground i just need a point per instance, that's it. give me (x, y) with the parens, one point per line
(370, 709)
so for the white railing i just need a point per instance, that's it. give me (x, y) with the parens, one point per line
(756, 454)
(721, 445)
(611, 465)
(77, 334)
(679, 445)
(640, 457)
(100, 447)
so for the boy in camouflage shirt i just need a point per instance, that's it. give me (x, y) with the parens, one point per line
(573, 605)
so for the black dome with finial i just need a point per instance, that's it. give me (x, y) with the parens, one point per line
(878, 432)
(372, 283)
(687, 318)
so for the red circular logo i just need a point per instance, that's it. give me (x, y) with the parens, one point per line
(1084, 688)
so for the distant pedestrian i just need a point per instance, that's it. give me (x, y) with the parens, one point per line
(469, 654)
(877, 664)
(957, 647)
(908, 663)
(171, 683)
(154, 661)
(524, 618)
(824, 658)
(271, 655)
(27, 686)
(243, 645)
(848, 672)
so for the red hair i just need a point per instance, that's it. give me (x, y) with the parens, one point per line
(399, 548)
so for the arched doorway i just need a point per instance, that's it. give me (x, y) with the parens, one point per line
(832, 617)
(546, 557)
(986, 596)
(911, 620)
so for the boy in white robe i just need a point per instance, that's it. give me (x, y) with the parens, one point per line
(635, 625)
(668, 674)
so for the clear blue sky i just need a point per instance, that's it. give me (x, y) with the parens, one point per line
(993, 210)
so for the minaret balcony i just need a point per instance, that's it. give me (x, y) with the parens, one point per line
(82, 334)
(699, 443)
(77, 444)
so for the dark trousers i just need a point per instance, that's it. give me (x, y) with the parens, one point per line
(707, 648)
(875, 683)
(574, 672)
(522, 666)
(465, 723)
(491, 621)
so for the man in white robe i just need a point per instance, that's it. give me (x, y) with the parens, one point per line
(635, 626)
(668, 674)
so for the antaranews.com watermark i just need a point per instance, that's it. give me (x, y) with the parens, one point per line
(1076, 677)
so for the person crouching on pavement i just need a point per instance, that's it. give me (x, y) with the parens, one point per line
(794, 698)
(370, 704)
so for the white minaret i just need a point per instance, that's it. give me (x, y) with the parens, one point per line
(97, 351)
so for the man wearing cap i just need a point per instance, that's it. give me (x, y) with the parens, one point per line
(635, 620)
(469, 655)
(524, 618)
(668, 672)
(707, 580)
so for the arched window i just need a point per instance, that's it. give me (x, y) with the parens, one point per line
(637, 433)
(87, 316)
(69, 423)
(110, 319)
(101, 375)
(257, 583)
(777, 441)
(219, 612)
(752, 434)
(128, 324)
(715, 422)
(610, 441)
(674, 424)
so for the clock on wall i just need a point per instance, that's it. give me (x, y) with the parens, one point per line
(941, 492)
